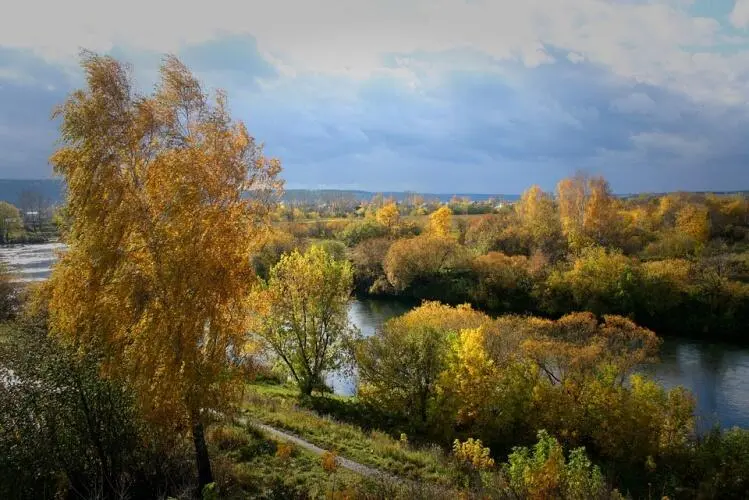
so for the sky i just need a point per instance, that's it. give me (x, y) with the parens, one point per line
(444, 96)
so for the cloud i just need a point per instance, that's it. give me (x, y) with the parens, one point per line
(439, 95)
(739, 16)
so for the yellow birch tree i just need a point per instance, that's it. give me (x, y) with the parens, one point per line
(165, 195)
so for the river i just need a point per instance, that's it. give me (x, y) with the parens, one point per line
(717, 374)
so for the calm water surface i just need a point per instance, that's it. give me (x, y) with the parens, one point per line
(717, 374)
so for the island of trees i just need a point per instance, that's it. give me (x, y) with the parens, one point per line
(192, 310)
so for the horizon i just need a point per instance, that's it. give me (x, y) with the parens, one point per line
(445, 193)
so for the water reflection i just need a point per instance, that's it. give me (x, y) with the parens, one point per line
(715, 373)
(368, 316)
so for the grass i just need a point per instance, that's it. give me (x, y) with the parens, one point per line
(278, 406)
(248, 464)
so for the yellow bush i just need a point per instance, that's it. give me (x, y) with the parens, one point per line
(472, 452)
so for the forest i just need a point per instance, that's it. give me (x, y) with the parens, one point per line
(676, 263)
(193, 310)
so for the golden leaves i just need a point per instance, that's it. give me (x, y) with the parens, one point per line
(161, 233)
(389, 216)
(440, 222)
(473, 453)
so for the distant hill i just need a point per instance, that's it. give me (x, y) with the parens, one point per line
(308, 195)
(50, 189)
(53, 191)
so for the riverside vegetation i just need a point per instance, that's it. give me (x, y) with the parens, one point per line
(186, 309)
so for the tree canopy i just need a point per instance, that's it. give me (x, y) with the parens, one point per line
(165, 195)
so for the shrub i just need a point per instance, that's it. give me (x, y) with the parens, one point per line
(335, 248)
(329, 462)
(284, 451)
(400, 365)
(599, 281)
(423, 259)
(543, 472)
(722, 464)
(357, 231)
(473, 454)
(228, 438)
(8, 295)
(66, 430)
(504, 282)
(367, 258)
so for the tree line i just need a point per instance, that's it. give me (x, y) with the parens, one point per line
(678, 263)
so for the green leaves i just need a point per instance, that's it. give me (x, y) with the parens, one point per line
(301, 313)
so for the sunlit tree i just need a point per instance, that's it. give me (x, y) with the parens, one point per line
(694, 221)
(399, 367)
(572, 194)
(302, 313)
(538, 215)
(388, 216)
(440, 222)
(165, 193)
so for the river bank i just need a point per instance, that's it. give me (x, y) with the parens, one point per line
(716, 373)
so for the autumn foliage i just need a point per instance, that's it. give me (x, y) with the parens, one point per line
(157, 272)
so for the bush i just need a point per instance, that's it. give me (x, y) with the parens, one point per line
(543, 472)
(8, 295)
(361, 230)
(505, 283)
(473, 454)
(335, 248)
(367, 258)
(722, 464)
(228, 438)
(599, 281)
(430, 267)
(329, 461)
(400, 365)
(67, 431)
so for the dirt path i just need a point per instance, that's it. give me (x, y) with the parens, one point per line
(362, 469)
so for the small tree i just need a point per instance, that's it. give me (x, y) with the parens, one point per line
(302, 313)
(388, 216)
(399, 366)
(8, 294)
(440, 222)
(10, 221)
(543, 472)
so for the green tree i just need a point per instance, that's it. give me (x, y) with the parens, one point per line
(8, 294)
(361, 230)
(10, 221)
(302, 314)
(66, 432)
(422, 258)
